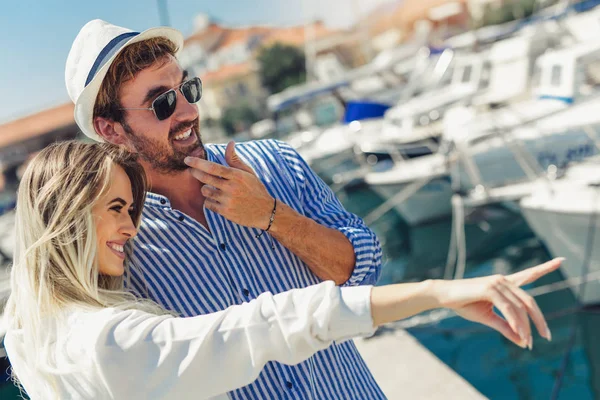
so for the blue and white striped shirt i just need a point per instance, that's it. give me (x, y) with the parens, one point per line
(186, 268)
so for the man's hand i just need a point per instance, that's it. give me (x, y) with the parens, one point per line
(235, 192)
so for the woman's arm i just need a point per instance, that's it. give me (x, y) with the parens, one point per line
(138, 354)
(472, 299)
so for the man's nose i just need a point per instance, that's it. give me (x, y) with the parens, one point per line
(184, 110)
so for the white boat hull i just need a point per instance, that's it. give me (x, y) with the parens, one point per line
(498, 166)
(429, 203)
(562, 221)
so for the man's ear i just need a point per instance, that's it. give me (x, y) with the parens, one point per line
(110, 131)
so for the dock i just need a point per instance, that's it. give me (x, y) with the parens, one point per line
(405, 369)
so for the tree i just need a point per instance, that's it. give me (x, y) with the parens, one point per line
(238, 118)
(281, 66)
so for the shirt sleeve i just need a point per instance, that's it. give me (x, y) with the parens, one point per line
(321, 205)
(140, 355)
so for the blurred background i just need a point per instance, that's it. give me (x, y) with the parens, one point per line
(464, 132)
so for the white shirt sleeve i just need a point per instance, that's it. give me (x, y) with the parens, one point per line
(139, 355)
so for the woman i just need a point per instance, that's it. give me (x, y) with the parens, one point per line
(74, 332)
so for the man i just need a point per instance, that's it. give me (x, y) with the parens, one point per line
(221, 224)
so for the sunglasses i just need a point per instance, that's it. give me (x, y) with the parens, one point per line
(164, 105)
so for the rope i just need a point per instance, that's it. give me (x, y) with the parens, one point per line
(398, 198)
(457, 254)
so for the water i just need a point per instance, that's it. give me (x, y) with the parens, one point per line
(498, 241)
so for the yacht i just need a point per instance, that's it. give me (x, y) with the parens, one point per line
(565, 214)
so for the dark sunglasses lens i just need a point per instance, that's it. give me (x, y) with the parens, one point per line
(164, 105)
(192, 90)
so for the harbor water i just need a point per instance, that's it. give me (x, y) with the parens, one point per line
(497, 241)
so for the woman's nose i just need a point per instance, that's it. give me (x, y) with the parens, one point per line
(128, 228)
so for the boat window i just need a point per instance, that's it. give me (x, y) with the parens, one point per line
(592, 73)
(467, 72)
(536, 78)
(484, 78)
(326, 113)
(555, 76)
(445, 80)
(589, 76)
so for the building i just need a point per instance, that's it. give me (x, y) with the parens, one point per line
(22, 137)
(225, 58)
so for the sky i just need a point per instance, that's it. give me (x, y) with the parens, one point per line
(36, 35)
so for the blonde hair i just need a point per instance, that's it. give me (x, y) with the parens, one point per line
(55, 263)
(133, 59)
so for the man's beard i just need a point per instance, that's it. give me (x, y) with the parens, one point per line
(166, 159)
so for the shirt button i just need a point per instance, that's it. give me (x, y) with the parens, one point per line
(289, 384)
(181, 218)
(246, 292)
(162, 201)
(223, 246)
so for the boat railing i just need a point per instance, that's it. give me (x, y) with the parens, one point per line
(509, 136)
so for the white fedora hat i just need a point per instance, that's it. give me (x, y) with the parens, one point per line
(92, 53)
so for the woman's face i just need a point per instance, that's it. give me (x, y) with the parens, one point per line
(112, 216)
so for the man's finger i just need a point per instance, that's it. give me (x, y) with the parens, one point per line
(234, 161)
(208, 179)
(212, 205)
(532, 274)
(209, 167)
(211, 192)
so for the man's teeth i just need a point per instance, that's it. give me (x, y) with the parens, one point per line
(184, 135)
(116, 247)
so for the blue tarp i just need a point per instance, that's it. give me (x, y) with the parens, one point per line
(585, 5)
(359, 110)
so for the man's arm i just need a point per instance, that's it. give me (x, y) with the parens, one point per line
(334, 244)
(326, 251)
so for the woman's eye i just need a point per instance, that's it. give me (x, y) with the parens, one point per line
(116, 208)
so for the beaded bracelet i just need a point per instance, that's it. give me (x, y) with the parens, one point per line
(270, 220)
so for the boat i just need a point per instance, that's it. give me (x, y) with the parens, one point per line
(560, 128)
(565, 214)
(512, 57)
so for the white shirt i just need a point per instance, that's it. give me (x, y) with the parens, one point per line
(116, 354)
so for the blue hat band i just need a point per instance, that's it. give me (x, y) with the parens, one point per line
(107, 52)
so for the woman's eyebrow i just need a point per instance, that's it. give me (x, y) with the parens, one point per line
(118, 200)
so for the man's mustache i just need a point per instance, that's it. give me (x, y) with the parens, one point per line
(183, 126)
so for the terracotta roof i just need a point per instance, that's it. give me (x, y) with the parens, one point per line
(266, 36)
(243, 35)
(216, 37)
(295, 35)
(413, 10)
(386, 16)
(208, 37)
(228, 71)
(36, 124)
